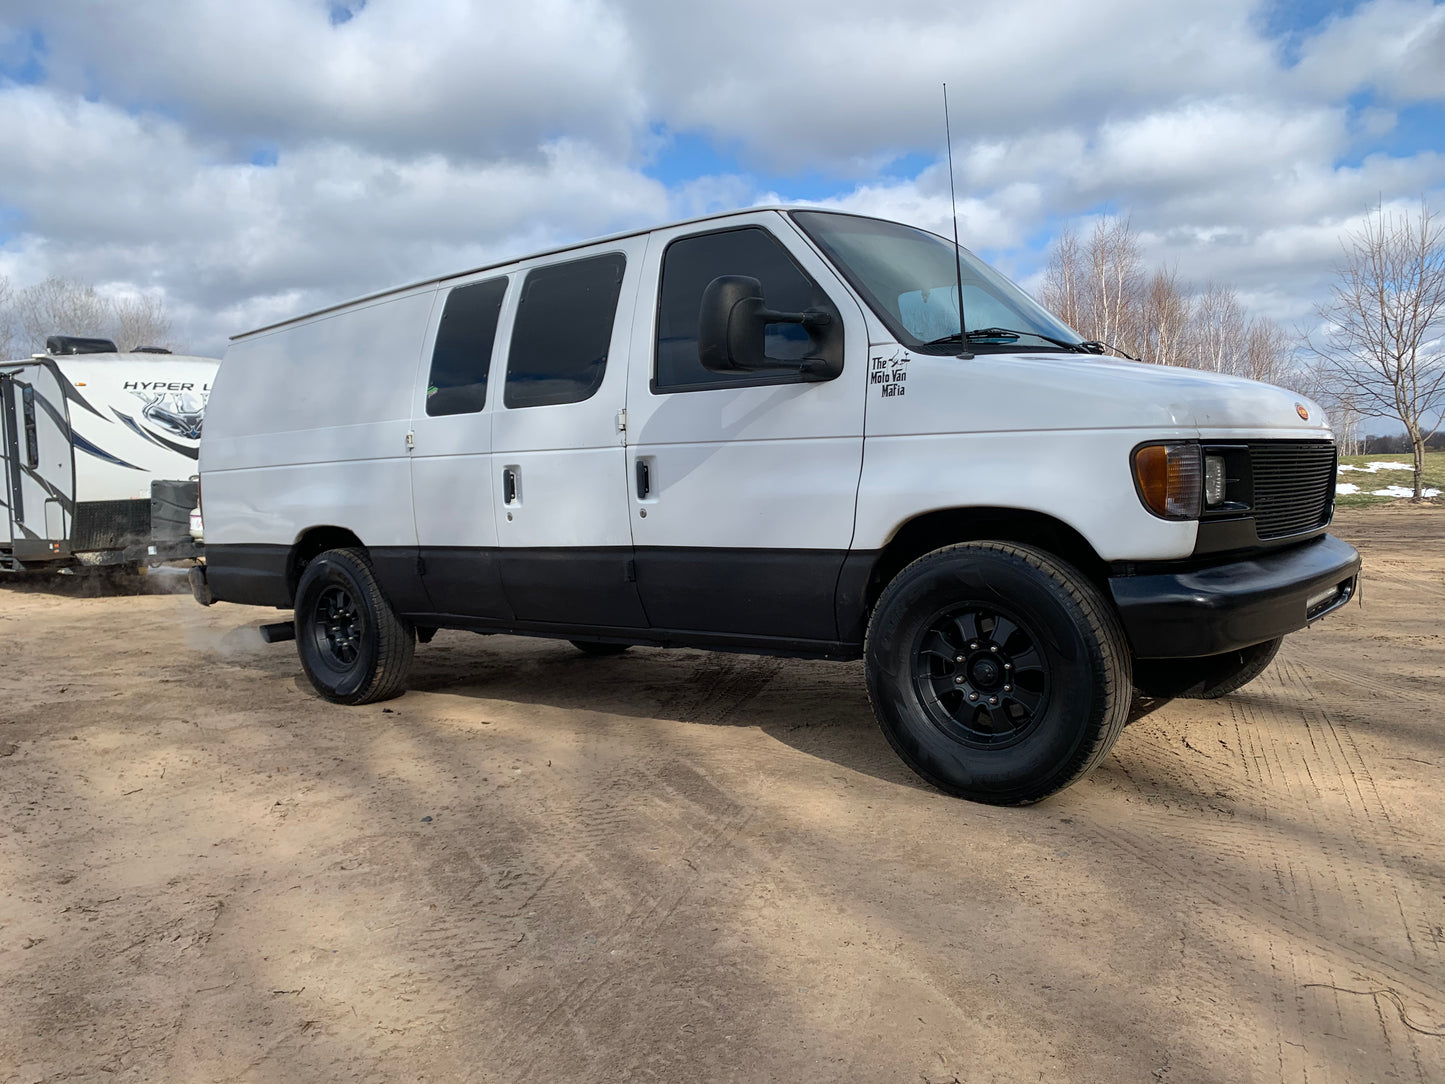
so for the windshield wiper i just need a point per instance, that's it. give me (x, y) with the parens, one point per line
(984, 333)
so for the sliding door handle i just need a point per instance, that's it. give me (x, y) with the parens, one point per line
(509, 486)
(644, 480)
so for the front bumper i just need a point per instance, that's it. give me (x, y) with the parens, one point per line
(1224, 607)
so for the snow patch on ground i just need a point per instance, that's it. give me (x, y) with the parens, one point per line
(1405, 491)
(1376, 465)
(1345, 488)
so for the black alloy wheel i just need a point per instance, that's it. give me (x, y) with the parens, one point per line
(980, 676)
(337, 627)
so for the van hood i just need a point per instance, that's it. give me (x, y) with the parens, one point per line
(1078, 391)
(1206, 400)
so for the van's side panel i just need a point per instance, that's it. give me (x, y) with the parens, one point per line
(308, 428)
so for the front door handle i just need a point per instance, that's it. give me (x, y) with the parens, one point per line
(509, 486)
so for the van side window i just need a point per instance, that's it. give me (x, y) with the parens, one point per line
(688, 265)
(463, 351)
(563, 330)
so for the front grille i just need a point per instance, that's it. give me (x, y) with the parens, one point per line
(110, 525)
(1294, 486)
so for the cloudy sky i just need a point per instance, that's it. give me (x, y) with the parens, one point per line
(255, 160)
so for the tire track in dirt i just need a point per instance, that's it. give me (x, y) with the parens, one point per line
(523, 874)
(1319, 865)
(718, 688)
(525, 1051)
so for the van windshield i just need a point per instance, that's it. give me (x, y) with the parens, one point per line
(910, 279)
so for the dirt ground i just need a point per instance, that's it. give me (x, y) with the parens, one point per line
(682, 866)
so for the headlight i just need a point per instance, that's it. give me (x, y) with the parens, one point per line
(1169, 478)
(1213, 480)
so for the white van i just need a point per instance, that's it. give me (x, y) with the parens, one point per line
(763, 432)
(98, 449)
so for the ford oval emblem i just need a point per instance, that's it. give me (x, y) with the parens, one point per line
(1299, 408)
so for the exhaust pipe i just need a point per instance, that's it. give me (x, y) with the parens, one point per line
(200, 589)
(279, 633)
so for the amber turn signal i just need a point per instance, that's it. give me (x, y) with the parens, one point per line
(1169, 478)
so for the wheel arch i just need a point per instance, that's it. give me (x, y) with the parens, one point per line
(932, 530)
(312, 542)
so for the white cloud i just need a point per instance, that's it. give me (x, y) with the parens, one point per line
(1394, 46)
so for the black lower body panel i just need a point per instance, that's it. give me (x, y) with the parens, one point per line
(762, 601)
(253, 575)
(783, 593)
(1224, 607)
(573, 585)
(463, 581)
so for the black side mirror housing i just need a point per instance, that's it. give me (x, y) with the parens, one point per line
(732, 328)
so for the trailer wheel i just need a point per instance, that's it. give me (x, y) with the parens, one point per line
(353, 646)
(997, 672)
(1206, 678)
(599, 649)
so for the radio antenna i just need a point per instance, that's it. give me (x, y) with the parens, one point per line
(953, 200)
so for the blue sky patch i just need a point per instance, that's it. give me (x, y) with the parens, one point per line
(22, 58)
(266, 155)
(687, 156)
(10, 220)
(343, 12)
(1419, 127)
(1292, 22)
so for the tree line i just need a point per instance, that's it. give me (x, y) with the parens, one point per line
(1378, 350)
(64, 307)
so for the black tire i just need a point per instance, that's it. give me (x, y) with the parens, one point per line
(1206, 678)
(1006, 610)
(598, 649)
(353, 646)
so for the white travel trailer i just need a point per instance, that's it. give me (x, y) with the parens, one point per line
(785, 431)
(98, 451)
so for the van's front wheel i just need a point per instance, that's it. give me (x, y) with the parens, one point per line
(353, 646)
(997, 672)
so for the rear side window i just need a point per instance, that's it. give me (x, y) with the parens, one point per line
(463, 352)
(563, 330)
(689, 264)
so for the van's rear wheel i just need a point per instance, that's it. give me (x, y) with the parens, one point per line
(353, 646)
(997, 672)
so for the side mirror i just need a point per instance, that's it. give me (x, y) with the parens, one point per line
(732, 329)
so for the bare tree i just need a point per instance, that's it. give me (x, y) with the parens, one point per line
(1096, 286)
(1060, 292)
(62, 307)
(1165, 319)
(1217, 332)
(1115, 278)
(7, 322)
(58, 307)
(1383, 338)
(141, 321)
(1267, 351)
